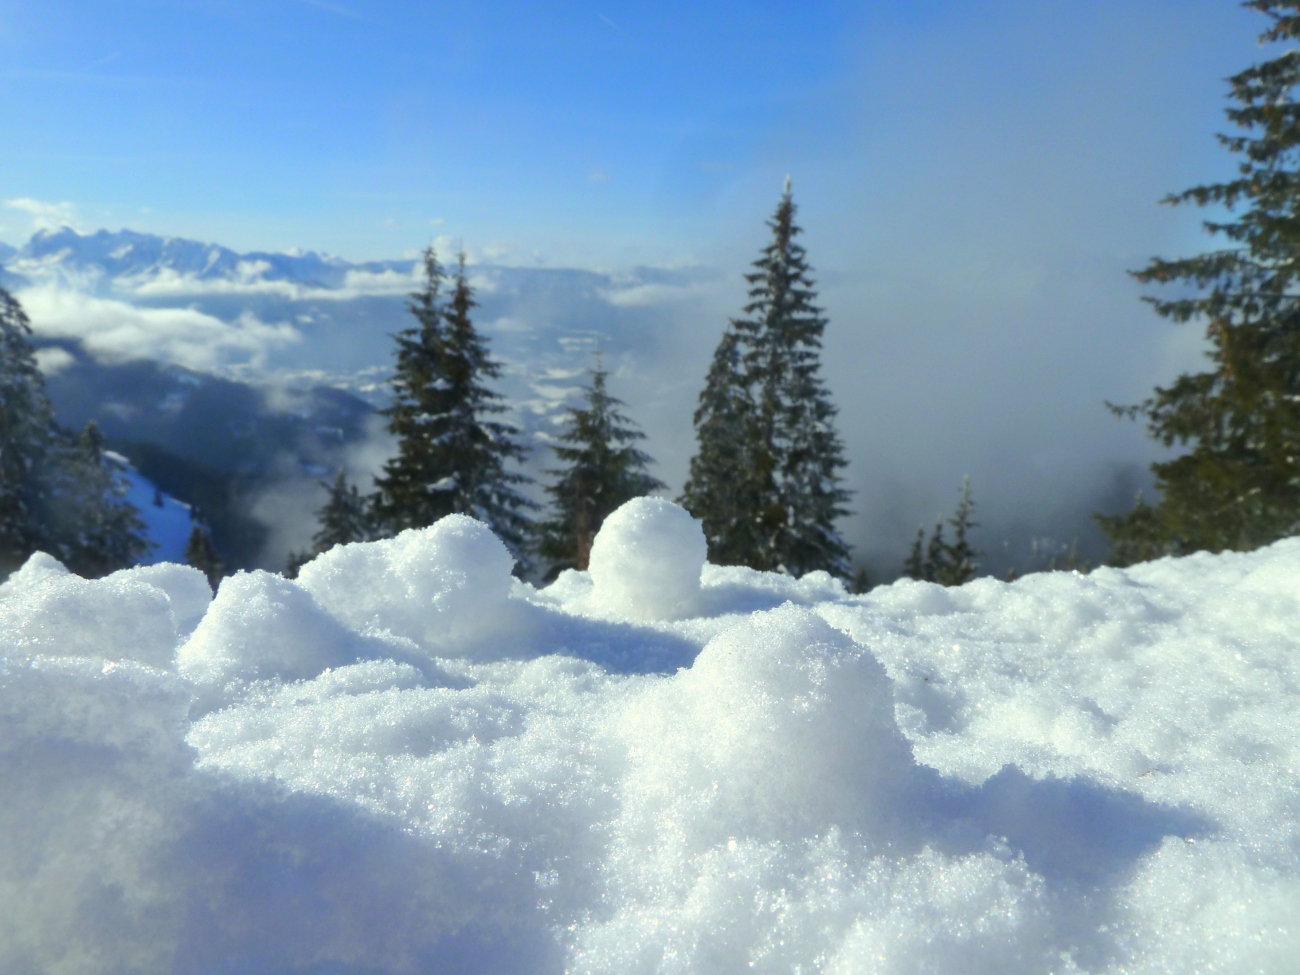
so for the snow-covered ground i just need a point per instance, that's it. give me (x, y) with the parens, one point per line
(407, 761)
(167, 522)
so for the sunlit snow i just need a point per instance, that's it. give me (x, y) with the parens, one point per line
(408, 761)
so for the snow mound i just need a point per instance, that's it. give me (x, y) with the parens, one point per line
(446, 587)
(646, 561)
(409, 762)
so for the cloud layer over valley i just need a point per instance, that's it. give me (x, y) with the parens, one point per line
(1015, 406)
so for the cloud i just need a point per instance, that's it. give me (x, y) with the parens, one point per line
(116, 331)
(52, 360)
(597, 177)
(656, 294)
(42, 215)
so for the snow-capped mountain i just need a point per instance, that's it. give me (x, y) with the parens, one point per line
(128, 255)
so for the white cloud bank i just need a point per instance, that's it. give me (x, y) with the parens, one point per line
(44, 215)
(117, 331)
(407, 761)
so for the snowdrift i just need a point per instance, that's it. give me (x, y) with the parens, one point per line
(407, 761)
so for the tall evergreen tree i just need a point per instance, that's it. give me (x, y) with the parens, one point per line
(720, 490)
(1238, 486)
(766, 479)
(61, 494)
(26, 437)
(452, 455)
(603, 470)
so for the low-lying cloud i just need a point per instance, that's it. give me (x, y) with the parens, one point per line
(114, 330)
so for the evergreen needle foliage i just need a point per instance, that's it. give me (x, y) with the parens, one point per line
(765, 480)
(202, 555)
(603, 469)
(947, 563)
(1238, 487)
(451, 454)
(60, 494)
(344, 518)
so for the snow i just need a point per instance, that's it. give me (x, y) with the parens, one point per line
(407, 761)
(167, 525)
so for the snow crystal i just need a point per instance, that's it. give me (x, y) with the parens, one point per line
(408, 761)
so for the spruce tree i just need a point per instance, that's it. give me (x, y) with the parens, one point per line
(202, 555)
(766, 478)
(97, 529)
(344, 517)
(60, 494)
(1238, 486)
(27, 435)
(720, 491)
(603, 470)
(947, 563)
(452, 454)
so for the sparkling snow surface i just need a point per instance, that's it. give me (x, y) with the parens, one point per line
(407, 761)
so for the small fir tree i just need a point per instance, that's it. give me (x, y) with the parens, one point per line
(947, 563)
(766, 479)
(344, 518)
(603, 470)
(719, 490)
(99, 529)
(202, 555)
(452, 455)
(1238, 486)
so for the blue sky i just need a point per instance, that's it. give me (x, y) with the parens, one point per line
(593, 133)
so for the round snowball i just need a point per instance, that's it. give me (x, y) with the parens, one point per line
(646, 561)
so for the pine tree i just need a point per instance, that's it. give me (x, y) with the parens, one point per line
(947, 563)
(451, 454)
(765, 480)
(604, 470)
(344, 517)
(1238, 486)
(26, 438)
(60, 494)
(98, 529)
(202, 555)
(720, 491)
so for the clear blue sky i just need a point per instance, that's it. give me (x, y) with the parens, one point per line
(598, 133)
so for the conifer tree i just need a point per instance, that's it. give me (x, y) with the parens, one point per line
(452, 455)
(1238, 486)
(61, 494)
(766, 479)
(947, 563)
(603, 470)
(344, 517)
(98, 529)
(26, 437)
(720, 490)
(202, 555)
